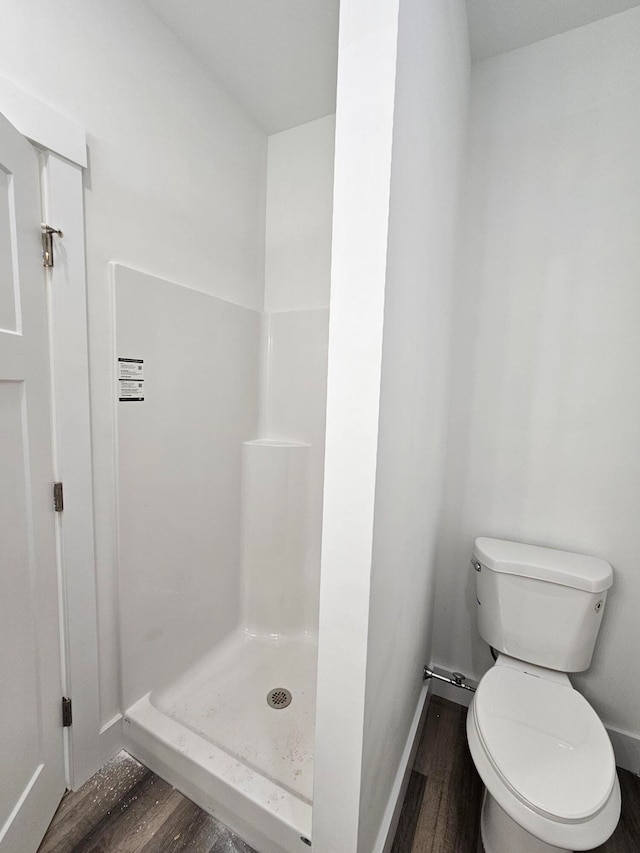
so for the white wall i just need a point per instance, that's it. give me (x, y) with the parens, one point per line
(429, 145)
(400, 140)
(545, 423)
(364, 123)
(175, 186)
(299, 211)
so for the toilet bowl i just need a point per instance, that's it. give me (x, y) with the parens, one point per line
(546, 762)
(540, 748)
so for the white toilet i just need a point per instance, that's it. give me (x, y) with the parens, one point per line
(541, 750)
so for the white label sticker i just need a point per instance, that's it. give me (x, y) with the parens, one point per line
(133, 391)
(130, 368)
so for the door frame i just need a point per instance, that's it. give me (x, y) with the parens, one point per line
(61, 143)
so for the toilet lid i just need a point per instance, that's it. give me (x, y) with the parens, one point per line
(546, 742)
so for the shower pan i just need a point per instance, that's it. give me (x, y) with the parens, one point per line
(235, 731)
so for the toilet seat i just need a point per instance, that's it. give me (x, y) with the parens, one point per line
(545, 742)
(529, 725)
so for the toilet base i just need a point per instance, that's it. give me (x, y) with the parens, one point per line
(501, 834)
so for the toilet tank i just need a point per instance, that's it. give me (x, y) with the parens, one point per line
(540, 605)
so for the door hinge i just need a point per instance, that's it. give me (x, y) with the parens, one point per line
(47, 244)
(58, 497)
(67, 716)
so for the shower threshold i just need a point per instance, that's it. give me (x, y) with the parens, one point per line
(213, 735)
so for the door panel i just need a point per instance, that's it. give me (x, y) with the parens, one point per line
(18, 662)
(8, 253)
(31, 741)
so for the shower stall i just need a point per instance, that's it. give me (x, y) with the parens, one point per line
(220, 476)
(233, 565)
(237, 727)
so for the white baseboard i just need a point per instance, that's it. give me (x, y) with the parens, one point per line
(626, 747)
(389, 824)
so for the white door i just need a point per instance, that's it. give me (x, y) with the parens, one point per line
(32, 778)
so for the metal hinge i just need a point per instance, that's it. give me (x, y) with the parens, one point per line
(58, 497)
(47, 244)
(67, 716)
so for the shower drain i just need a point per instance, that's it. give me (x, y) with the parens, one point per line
(278, 698)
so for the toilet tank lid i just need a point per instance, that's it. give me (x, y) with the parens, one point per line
(547, 564)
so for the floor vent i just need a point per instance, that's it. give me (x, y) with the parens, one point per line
(278, 698)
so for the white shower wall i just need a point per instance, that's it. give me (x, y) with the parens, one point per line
(295, 410)
(218, 375)
(296, 322)
(179, 473)
(274, 537)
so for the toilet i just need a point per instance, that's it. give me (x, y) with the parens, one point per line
(541, 750)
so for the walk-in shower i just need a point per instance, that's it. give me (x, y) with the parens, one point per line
(220, 472)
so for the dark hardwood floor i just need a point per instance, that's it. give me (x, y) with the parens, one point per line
(126, 808)
(441, 811)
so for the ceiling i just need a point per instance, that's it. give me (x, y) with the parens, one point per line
(496, 26)
(278, 57)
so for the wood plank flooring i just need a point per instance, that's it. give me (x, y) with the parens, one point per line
(441, 811)
(126, 808)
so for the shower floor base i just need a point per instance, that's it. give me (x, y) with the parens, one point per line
(212, 734)
(224, 699)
